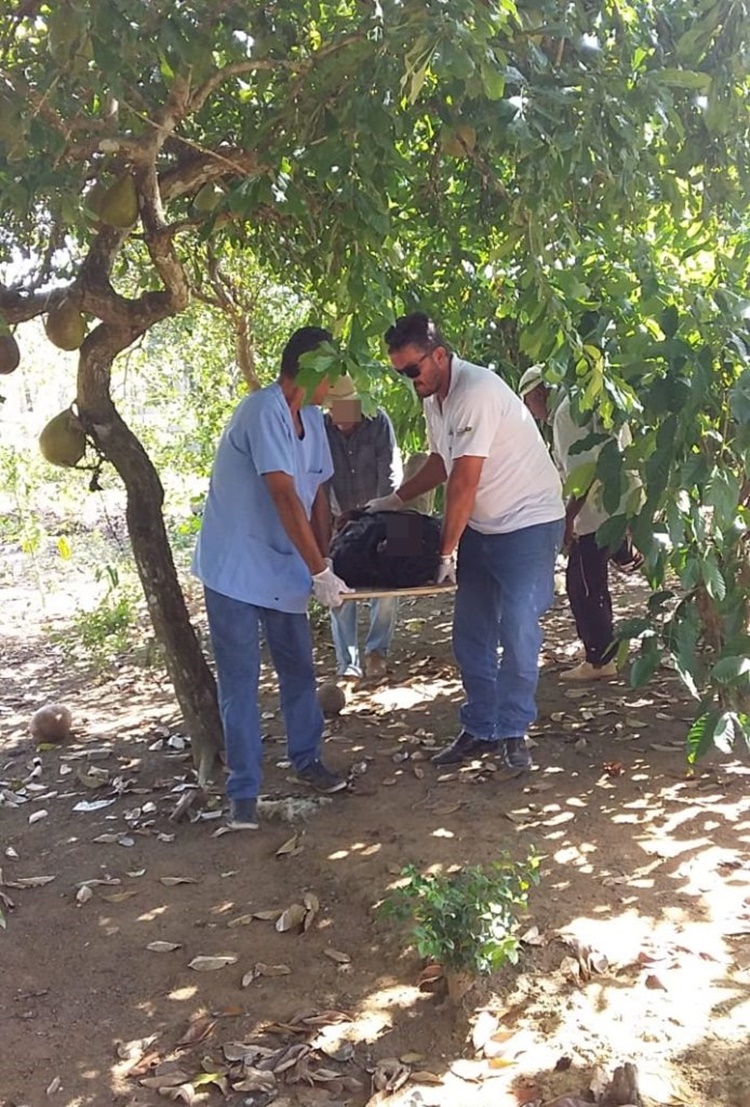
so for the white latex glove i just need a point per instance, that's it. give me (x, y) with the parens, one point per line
(446, 573)
(328, 588)
(391, 502)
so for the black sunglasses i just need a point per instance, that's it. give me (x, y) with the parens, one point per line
(412, 371)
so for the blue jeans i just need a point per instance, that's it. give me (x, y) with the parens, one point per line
(235, 636)
(379, 636)
(505, 584)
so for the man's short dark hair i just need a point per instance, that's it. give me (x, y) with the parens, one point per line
(302, 342)
(416, 329)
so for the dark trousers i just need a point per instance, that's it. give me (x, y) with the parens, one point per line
(588, 593)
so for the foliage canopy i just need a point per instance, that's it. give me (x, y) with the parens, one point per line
(556, 184)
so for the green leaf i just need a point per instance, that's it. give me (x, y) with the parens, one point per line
(609, 470)
(722, 493)
(723, 733)
(730, 669)
(685, 78)
(63, 548)
(700, 736)
(612, 531)
(580, 479)
(713, 578)
(493, 81)
(646, 664)
(670, 321)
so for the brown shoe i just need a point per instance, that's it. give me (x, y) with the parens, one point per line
(375, 667)
(587, 671)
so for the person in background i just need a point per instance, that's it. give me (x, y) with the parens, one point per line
(366, 463)
(586, 575)
(261, 551)
(504, 515)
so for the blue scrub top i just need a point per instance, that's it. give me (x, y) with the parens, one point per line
(243, 550)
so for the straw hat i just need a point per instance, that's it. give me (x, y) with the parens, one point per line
(343, 388)
(531, 378)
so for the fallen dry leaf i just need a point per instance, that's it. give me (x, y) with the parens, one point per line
(424, 1076)
(337, 956)
(291, 918)
(429, 976)
(290, 847)
(165, 1080)
(120, 897)
(84, 894)
(532, 937)
(212, 963)
(312, 906)
(569, 966)
(171, 881)
(163, 947)
(267, 916)
(197, 1031)
(261, 969)
(241, 920)
(389, 1075)
(28, 882)
(256, 1080)
(94, 778)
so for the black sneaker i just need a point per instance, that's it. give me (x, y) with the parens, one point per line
(320, 778)
(242, 814)
(465, 748)
(517, 754)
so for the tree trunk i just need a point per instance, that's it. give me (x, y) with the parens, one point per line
(193, 681)
(245, 351)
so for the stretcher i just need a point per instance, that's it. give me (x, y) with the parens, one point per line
(381, 593)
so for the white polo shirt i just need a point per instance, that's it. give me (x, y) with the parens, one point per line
(482, 417)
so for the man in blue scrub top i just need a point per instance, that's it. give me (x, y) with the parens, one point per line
(261, 551)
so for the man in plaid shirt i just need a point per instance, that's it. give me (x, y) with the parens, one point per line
(366, 464)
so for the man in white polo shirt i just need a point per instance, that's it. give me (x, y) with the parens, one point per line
(502, 527)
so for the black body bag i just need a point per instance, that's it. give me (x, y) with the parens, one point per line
(387, 549)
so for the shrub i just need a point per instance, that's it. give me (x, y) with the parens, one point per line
(466, 920)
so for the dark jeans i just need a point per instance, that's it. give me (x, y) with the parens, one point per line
(590, 601)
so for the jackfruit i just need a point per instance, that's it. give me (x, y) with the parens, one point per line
(51, 723)
(458, 142)
(92, 201)
(10, 355)
(65, 326)
(119, 206)
(62, 441)
(207, 198)
(331, 698)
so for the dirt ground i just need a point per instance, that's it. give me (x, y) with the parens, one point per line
(638, 936)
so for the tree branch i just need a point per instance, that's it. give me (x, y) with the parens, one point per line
(237, 69)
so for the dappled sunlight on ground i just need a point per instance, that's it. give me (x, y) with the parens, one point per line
(636, 941)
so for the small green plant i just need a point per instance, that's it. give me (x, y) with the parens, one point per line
(466, 920)
(100, 634)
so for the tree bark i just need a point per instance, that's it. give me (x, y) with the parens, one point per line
(188, 670)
